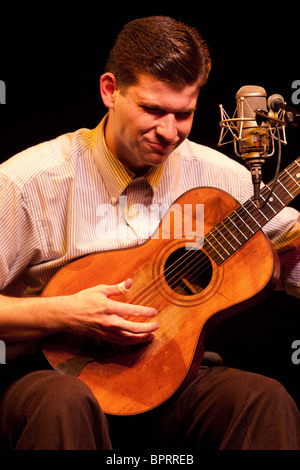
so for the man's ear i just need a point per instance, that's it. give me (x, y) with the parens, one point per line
(108, 88)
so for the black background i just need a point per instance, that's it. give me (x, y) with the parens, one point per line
(51, 59)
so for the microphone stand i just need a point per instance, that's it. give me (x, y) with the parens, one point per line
(291, 117)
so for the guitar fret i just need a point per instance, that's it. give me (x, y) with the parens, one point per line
(288, 183)
(215, 251)
(283, 205)
(231, 232)
(224, 249)
(285, 192)
(225, 238)
(269, 205)
(237, 228)
(235, 212)
(252, 217)
(285, 189)
(256, 214)
(291, 176)
(260, 212)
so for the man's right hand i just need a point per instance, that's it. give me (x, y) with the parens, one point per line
(92, 313)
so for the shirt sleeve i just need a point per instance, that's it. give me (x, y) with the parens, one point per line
(287, 245)
(19, 238)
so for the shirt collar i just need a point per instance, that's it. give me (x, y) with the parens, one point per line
(115, 175)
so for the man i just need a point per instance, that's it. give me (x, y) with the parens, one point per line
(50, 200)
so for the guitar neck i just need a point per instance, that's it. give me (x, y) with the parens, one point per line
(230, 234)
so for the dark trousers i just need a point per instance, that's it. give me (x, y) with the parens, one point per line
(222, 409)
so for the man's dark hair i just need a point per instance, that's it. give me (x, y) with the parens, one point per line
(168, 50)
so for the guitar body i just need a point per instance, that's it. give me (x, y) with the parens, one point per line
(134, 379)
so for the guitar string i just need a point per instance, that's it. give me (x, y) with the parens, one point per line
(208, 264)
(190, 253)
(176, 264)
(260, 217)
(231, 230)
(168, 318)
(286, 188)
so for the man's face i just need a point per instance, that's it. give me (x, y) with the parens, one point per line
(148, 121)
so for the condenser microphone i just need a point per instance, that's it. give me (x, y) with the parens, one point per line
(254, 141)
(254, 131)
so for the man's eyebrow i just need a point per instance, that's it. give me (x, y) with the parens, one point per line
(154, 106)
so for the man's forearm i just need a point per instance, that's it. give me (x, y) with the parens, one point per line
(90, 312)
(29, 318)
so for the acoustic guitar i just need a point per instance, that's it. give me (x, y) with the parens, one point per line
(192, 286)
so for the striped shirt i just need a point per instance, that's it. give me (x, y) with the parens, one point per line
(69, 197)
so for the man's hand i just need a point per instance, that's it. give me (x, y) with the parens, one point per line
(92, 313)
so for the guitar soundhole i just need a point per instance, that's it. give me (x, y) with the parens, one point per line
(188, 271)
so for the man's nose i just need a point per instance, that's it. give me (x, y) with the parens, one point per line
(167, 128)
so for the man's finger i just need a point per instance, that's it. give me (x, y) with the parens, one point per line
(122, 309)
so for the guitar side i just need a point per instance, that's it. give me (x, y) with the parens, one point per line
(135, 379)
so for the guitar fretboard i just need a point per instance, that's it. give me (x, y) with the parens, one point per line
(230, 234)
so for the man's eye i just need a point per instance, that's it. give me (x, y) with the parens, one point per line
(159, 112)
(184, 115)
(152, 110)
